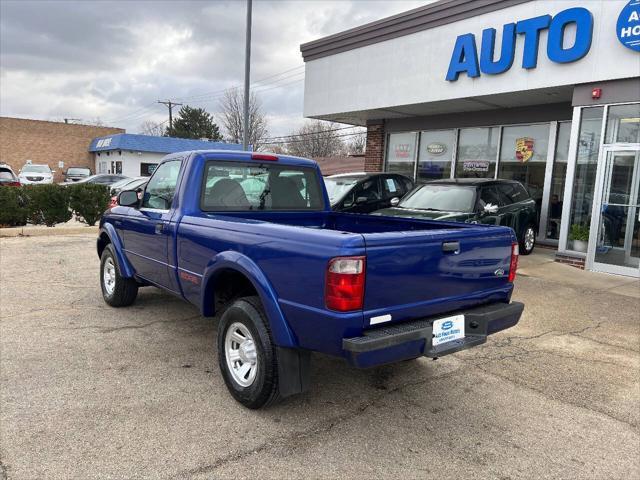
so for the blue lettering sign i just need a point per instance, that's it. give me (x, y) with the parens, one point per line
(507, 51)
(465, 56)
(628, 26)
(531, 30)
(584, 32)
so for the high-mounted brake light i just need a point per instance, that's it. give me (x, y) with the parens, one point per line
(344, 290)
(262, 156)
(513, 265)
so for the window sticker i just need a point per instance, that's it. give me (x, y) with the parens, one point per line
(391, 185)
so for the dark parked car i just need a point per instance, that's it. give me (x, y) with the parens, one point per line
(7, 177)
(75, 174)
(365, 192)
(136, 183)
(102, 179)
(472, 200)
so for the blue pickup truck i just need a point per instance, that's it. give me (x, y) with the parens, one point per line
(251, 237)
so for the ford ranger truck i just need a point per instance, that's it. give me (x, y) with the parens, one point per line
(251, 238)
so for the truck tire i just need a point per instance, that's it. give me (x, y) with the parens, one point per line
(117, 291)
(528, 240)
(247, 355)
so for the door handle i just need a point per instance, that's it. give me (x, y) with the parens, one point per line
(159, 228)
(451, 247)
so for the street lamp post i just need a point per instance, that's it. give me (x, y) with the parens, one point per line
(247, 74)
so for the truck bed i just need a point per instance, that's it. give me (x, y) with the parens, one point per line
(409, 275)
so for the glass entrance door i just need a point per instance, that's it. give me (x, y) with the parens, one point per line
(615, 248)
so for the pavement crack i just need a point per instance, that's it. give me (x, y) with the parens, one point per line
(294, 440)
(4, 471)
(558, 399)
(127, 327)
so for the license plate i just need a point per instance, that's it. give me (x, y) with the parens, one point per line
(448, 329)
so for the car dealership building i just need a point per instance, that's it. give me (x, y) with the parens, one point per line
(546, 93)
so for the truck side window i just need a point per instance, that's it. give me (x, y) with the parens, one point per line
(162, 186)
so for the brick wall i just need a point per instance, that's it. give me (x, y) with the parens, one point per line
(374, 155)
(574, 261)
(48, 142)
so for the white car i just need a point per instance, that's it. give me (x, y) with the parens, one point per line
(32, 173)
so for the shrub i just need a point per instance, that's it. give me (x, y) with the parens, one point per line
(89, 201)
(579, 232)
(47, 204)
(13, 209)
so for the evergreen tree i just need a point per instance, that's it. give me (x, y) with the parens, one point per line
(194, 123)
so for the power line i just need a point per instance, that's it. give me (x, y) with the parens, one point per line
(170, 104)
(304, 139)
(204, 95)
(313, 133)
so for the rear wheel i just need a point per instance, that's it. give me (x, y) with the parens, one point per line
(117, 291)
(247, 355)
(528, 241)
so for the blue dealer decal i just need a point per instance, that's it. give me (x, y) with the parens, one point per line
(628, 26)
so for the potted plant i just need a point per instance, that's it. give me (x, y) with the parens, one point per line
(580, 236)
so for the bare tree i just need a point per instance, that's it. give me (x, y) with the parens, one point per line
(150, 127)
(231, 118)
(357, 144)
(316, 139)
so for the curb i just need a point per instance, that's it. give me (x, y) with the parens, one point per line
(45, 231)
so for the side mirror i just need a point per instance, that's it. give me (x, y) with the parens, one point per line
(395, 201)
(490, 208)
(128, 198)
(361, 200)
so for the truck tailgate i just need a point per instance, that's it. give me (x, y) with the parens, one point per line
(414, 274)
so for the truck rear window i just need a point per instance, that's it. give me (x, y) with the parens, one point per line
(232, 186)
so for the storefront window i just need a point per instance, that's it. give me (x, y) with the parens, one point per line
(623, 124)
(523, 157)
(586, 166)
(436, 153)
(477, 152)
(556, 193)
(401, 153)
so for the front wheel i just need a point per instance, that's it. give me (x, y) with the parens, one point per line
(528, 241)
(247, 355)
(117, 290)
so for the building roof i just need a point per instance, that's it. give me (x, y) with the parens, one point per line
(441, 12)
(149, 143)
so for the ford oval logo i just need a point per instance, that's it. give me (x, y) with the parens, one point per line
(499, 272)
(447, 325)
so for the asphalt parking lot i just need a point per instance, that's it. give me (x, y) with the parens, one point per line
(94, 392)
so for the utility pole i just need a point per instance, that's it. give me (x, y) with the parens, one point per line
(247, 75)
(170, 104)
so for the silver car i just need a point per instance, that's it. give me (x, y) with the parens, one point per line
(34, 174)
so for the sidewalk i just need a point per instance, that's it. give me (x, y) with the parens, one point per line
(540, 264)
(72, 227)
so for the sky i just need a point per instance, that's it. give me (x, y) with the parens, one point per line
(112, 60)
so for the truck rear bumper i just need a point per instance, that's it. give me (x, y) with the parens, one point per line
(413, 339)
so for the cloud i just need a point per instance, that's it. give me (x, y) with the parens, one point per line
(113, 59)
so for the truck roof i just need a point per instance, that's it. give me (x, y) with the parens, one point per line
(235, 156)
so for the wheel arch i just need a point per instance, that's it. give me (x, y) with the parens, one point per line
(240, 268)
(108, 235)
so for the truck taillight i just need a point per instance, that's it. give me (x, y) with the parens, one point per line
(513, 265)
(344, 291)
